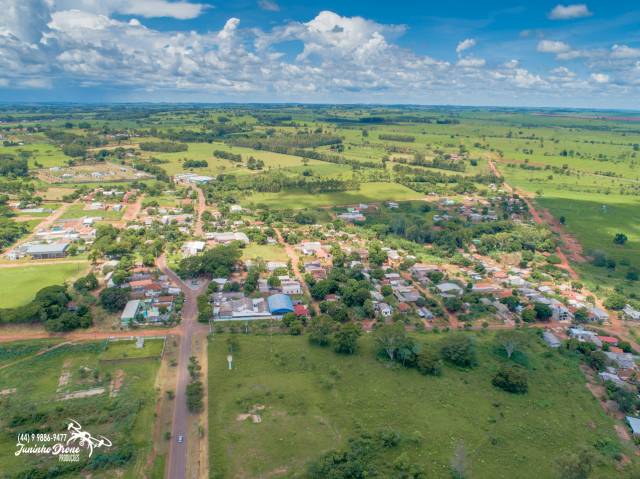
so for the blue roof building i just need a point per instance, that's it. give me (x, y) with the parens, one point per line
(280, 304)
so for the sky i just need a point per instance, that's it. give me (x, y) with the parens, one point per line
(493, 53)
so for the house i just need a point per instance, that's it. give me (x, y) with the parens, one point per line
(485, 288)
(47, 251)
(407, 294)
(551, 339)
(597, 314)
(352, 217)
(610, 340)
(614, 378)
(235, 209)
(425, 314)
(228, 237)
(191, 248)
(631, 313)
(274, 265)
(621, 360)
(290, 287)
(584, 336)
(232, 307)
(280, 304)
(130, 311)
(634, 424)
(449, 289)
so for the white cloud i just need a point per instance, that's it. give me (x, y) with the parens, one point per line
(269, 5)
(471, 62)
(600, 77)
(182, 10)
(551, 46)
(624, 52)
(465, 44)
(567, 12)
(511, 64)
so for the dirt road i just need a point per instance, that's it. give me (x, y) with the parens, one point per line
(293, 256)
(189, 327)
(546, 220)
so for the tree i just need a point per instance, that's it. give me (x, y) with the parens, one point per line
(320, 330)
(453, 303)
(114, 299)
(389, 338)
(509, 341)
(195, 394)
(345, 339)
(429, 362)
(511, 378)
(543, 311)
(620, 238)
(581, 315)
(459, 350)
(616, 302)
(528, 315)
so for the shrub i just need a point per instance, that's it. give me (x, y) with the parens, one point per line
(512, 379)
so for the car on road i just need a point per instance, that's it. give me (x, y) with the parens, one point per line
(180, 438)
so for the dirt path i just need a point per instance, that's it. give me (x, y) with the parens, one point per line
(293, 256)
(452, 318)
(200, 208)
(132, 211)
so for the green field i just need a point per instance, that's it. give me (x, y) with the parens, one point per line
(368, 192)
(78, 211)
(20, 284)
(268, 252)
(315, 400)
(41, 154)
(38, 404)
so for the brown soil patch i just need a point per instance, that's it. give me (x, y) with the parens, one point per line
(116, 383)
(252, 414)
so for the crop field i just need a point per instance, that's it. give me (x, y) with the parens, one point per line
(20, 284)
(115, 399)
(311, 400)
(368, 192)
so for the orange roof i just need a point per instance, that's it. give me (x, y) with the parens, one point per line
(141, 283)
(608, 339)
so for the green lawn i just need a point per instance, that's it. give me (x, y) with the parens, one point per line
(368, 192)
(19, 285)
(315, 400)
(125, 418)
(116, 350)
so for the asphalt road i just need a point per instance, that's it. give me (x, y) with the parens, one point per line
(177, 460)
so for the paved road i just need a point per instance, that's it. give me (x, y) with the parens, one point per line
(189, 327)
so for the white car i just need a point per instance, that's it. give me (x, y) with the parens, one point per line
(180, 439)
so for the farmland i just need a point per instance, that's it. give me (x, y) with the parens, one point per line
(314, 401)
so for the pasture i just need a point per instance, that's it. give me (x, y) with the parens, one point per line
(115, 399)
(311, 400)
(368, 193)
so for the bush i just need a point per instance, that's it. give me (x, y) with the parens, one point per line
(429, 362)
(459, 349)
(512, 379)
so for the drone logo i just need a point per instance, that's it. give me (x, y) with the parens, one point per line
(84, 438)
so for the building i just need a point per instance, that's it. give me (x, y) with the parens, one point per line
(551, 339)
(631, 313)
(228, 237)
(291, 287)
(191, 248)
(280, 304)
(449, 289)
(130, 311)
(47, 251)
(193, 178)
(634, 424)
(227, 309)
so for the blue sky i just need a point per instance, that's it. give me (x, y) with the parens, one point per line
(470, 53)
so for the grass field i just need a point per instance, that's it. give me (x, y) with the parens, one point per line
(268, 252)
(78, 211)
(38, 405)
(42, 154)
(20, 284)
(368, 192)
(315, 400)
